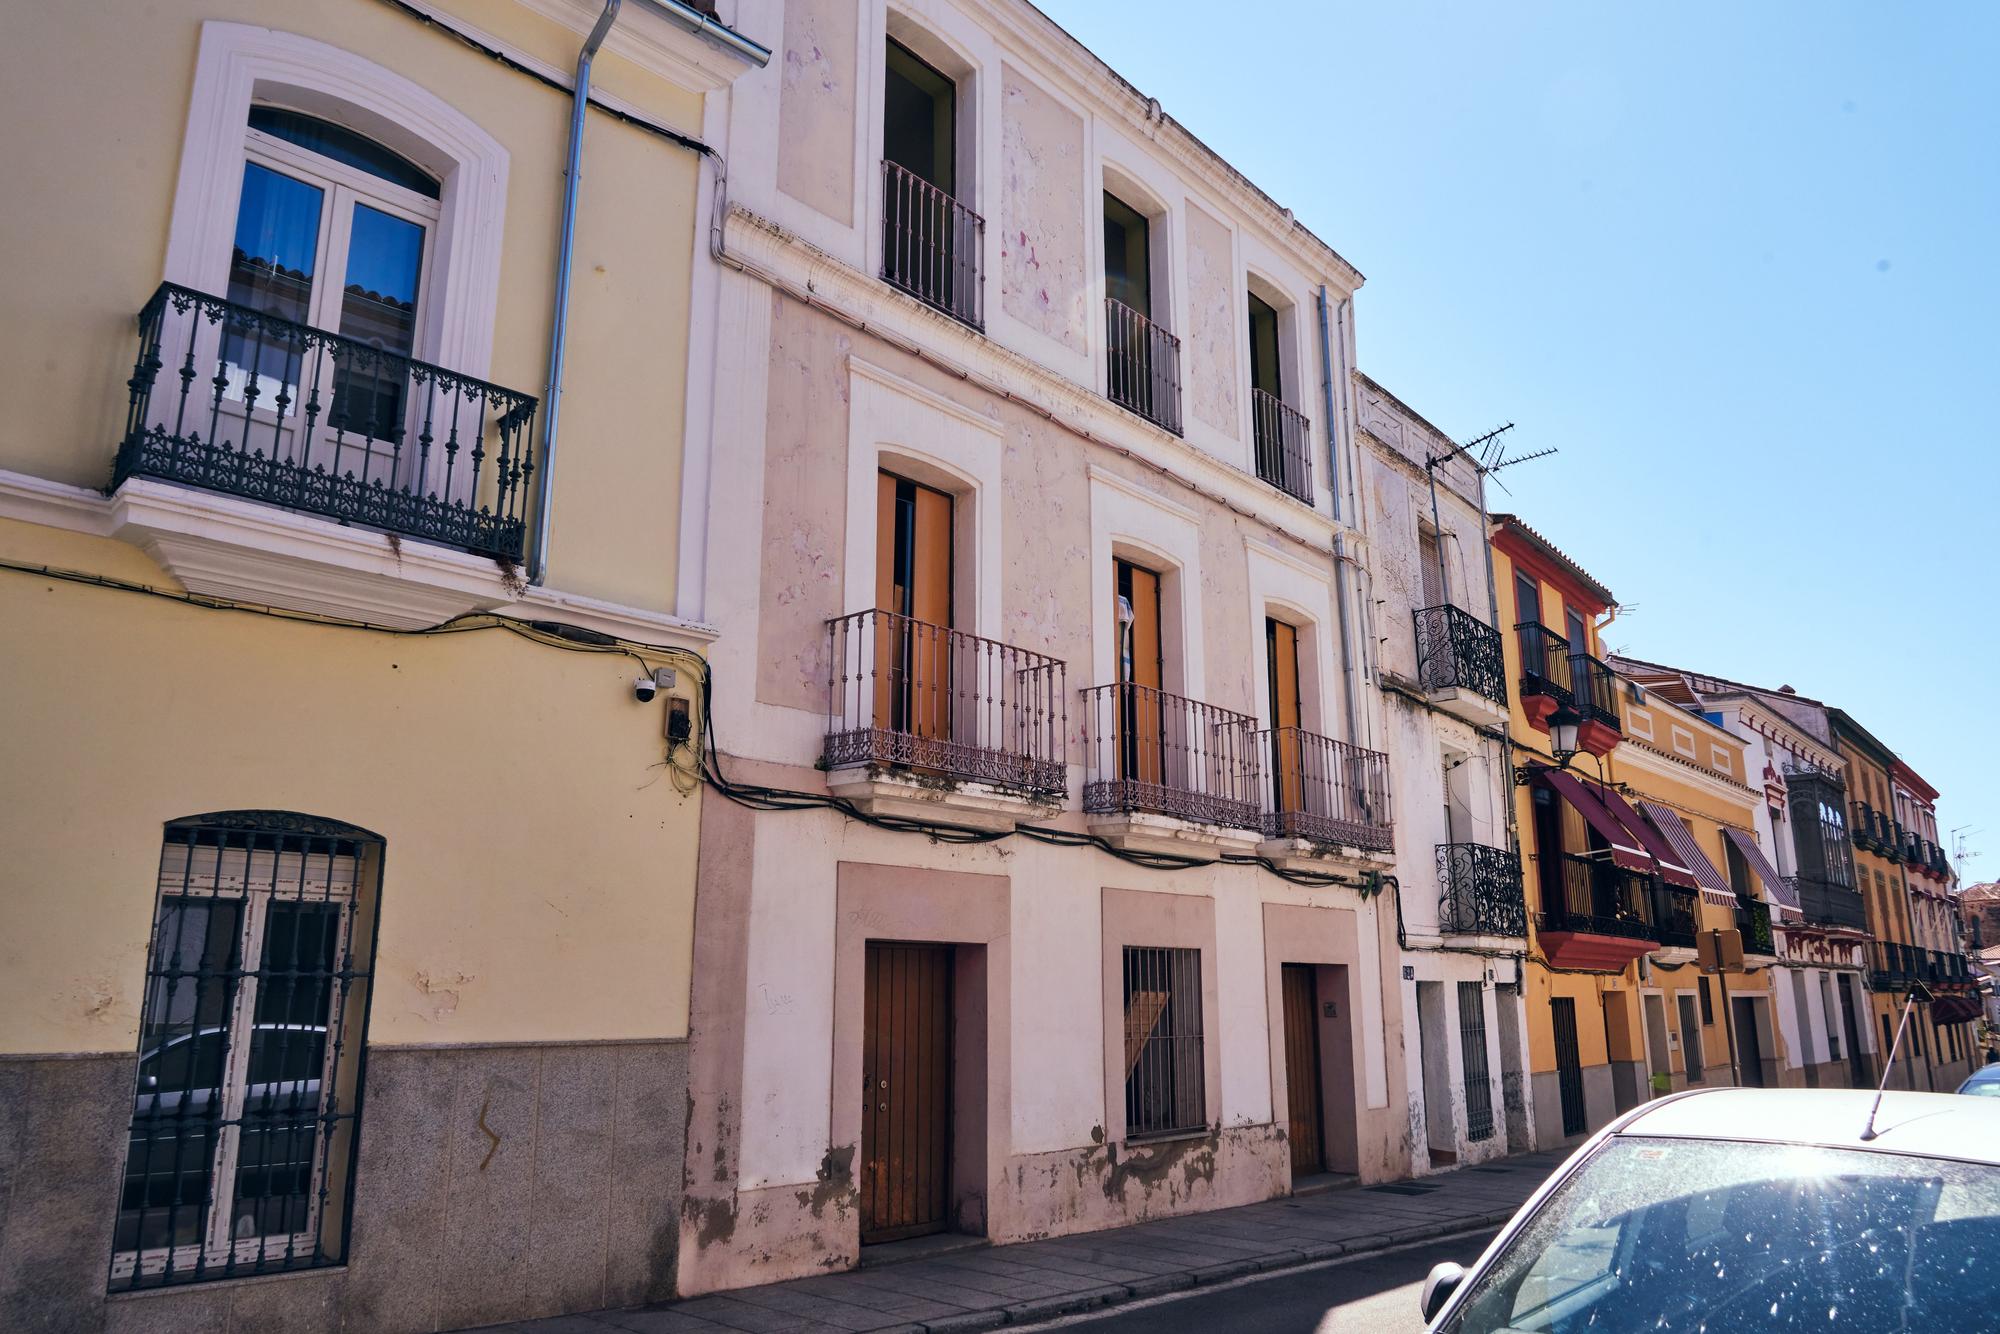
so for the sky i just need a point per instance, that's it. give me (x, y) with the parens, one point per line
(1739, 264)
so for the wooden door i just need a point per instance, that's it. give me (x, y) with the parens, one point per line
(1141, 752)
(913, 578)
(906, 1074)
(1281, 653)
(1304, 1123)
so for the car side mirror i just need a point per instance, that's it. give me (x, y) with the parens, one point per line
(1443, 1282)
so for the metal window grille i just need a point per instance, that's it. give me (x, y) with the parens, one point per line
(1472, 1043)
(1164, 1093)
(1707, 1005)
(246, 1113)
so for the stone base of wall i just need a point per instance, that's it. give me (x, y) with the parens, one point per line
(571, 1203)
(1599, 1105)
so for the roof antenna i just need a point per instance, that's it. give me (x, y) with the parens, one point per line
(1918, 991)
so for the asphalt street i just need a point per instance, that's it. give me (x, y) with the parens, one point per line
(1372, 1294)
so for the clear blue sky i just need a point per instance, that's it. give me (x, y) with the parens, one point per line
(1740, 263)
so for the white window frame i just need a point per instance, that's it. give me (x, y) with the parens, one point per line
(239, 64)
(218, 1247)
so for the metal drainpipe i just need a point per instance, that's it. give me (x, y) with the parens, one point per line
(538, 563)
(1339, 538)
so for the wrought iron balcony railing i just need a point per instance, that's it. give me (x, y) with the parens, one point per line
(1594, 896)
(906, 694)
(1283, 438)
(1457, 649)
(932, 246)
(274, 411)
(1891, 966)
(1324, 791)
(1480, 891)
(1753, 921)
(1145, 750)
(1824, 903)
(1142, 366)
(1545, 662)
(1676, 920)
(1595, 687)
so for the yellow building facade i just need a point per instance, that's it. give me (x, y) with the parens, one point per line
(1628, 860)
(346, 927)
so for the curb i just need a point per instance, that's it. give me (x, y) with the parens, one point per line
(1275, 1264)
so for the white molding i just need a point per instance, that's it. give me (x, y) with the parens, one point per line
(1274, 578)
(1100, 475)
(654, 42)
(239, 62)
(888, 415)
(1124, 514)
(75, 509)
(247, 551)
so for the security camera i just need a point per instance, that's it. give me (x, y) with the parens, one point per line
(644, 689)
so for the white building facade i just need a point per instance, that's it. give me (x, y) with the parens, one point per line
(1047, 887)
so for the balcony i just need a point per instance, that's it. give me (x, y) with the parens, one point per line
(1595, 687)
(1162, 772)
(932, 246)
(1823, 903)
(924, 720)
(1753, 923)
(1142, 366)
(1545, 671)
(1283, 440)
(1461, 666)
(287, 415)
(1480, 891)
(1323, 797)
(1861, 819)
(1893, 966)
(1598, 916)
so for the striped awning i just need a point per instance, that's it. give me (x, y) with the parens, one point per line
(1714, 885)
(1626, 850)
(1774, 884)
(1673, 869)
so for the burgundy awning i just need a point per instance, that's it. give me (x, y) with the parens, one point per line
(1672, 869)
(1626, 849)
(1714, 886)
(1774, 884)
(1954, 1009)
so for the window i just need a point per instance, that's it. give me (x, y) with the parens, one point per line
(1141, 665)
(1707, 1005)
(1280, 433)
(1430, 567)
(1164, 1074)
(1472, 1058)
(930, 239)
(1578, 630)
(1142, 367)
(316, 201)
(1691, 1050)
(1739, 870)
(1527, 597)
(240, 1154)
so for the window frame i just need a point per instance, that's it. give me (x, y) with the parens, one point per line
(1181, 965)
(217, 1253)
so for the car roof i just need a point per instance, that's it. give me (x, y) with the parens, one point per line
(1985, 1074)
(1934, 1125)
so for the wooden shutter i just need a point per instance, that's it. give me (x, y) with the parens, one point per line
(913, 583)
(1140, 671)
(1281, 647)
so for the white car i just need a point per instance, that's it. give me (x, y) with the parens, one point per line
(1752, 1210)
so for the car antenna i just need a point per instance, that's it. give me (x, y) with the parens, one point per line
(1918, 991)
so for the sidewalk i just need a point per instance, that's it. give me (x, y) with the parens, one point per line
(1034, 1280)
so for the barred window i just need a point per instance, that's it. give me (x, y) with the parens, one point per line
(240, 1156)
(1164, 1093)
(1472, 1054)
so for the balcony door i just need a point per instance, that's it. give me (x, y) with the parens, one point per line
(913, 582)
(1141, 749)
(1281, 657)
(316, 201)
(925, 239)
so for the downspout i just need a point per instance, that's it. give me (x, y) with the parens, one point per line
(1339, 536)
(538, 562)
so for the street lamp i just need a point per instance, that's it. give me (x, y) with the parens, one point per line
(1562, 734)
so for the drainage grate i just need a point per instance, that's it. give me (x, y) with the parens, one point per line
(1406, 1188)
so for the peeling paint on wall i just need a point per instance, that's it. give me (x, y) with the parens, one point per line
(1211, 334)
(1042, 279)
(816, 106)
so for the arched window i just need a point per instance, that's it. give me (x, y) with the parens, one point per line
(241, 1147)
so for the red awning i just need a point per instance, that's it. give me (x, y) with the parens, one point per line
(1714, 886)
(1774, 884)
(1954, 1009)
(1672, 869)
(1626, 849)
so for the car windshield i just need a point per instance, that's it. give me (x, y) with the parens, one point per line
(1675, 1236)
(1983, 1083)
